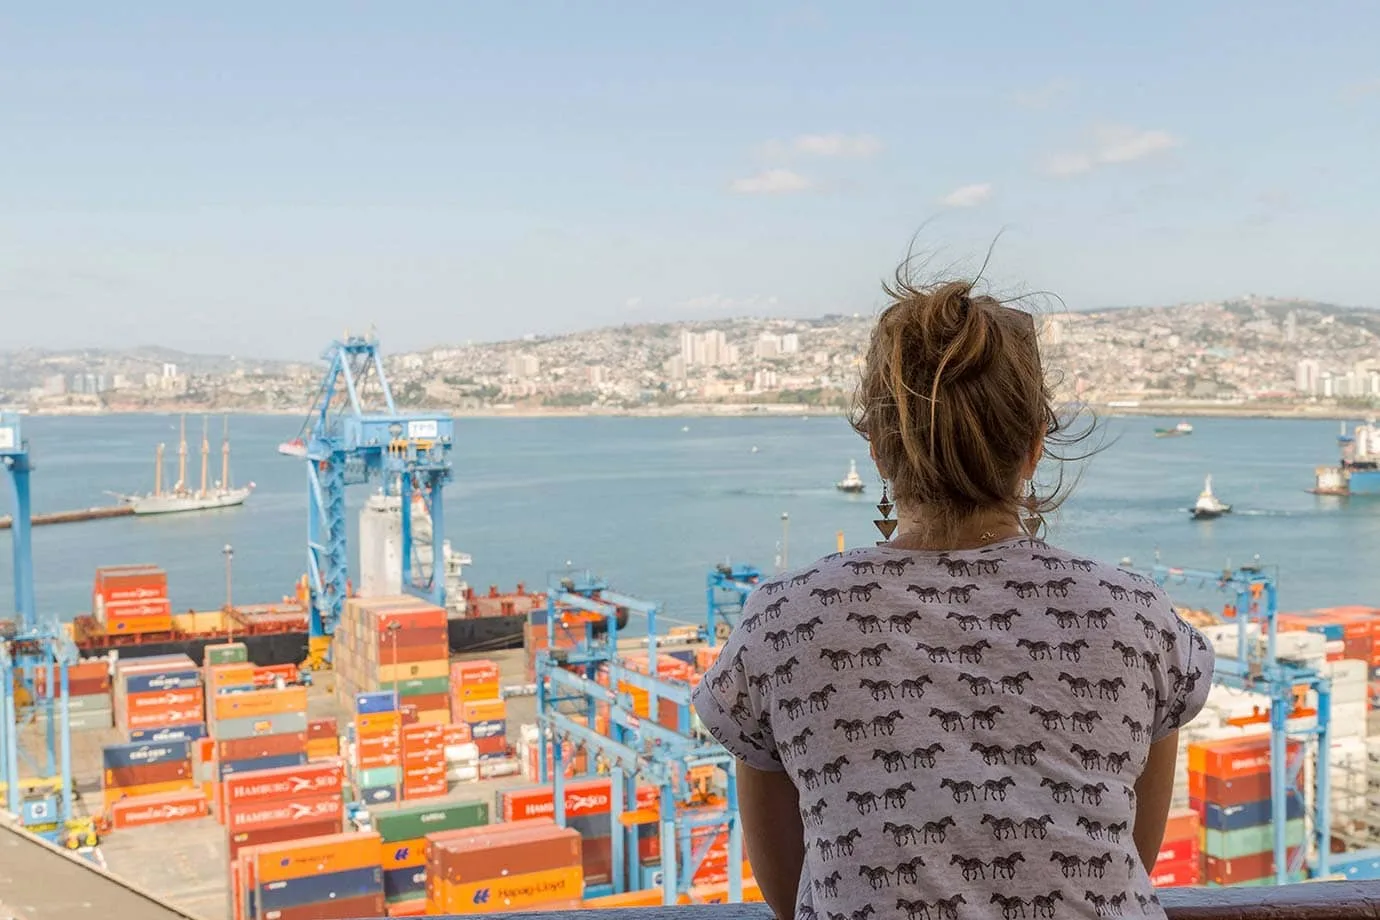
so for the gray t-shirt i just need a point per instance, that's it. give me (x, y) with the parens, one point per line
(965, 729)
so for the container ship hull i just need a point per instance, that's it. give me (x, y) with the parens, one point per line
(474, 634)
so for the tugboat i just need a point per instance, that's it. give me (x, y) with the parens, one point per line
(1208, 507)
(1358, 471)
(1178, 431)
(852, 483)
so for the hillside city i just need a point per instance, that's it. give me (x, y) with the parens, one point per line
(1249, 354)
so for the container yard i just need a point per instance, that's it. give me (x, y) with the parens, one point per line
(359, 767)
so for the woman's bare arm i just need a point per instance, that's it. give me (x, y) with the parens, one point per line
(1154, 789)
(773, 834)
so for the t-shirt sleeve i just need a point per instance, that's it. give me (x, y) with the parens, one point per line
(733, 707)
(1185, 675)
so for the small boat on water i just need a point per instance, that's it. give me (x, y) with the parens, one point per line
(1208, 507)
(852, 483)
(1178, 431)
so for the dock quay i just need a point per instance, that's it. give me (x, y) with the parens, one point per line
(72, 517)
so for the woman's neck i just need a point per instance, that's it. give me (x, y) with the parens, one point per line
(919, 530)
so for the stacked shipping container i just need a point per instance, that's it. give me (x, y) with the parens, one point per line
(280, 805)
(1229, 789)
(399, 644)
(1179, 863)
(587, 810)
(89, 703)
(402, 838)
(375, 752)
(476, 703)
(504, 867)
(255, 730)
(132, 600)
(142, 770)
(156, 693)
(330, 877)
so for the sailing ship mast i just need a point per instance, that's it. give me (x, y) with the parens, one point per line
(225, 457)
(205, 455)
(182, 458)
(158, 470)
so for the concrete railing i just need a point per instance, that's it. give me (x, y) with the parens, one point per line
(1317, 901)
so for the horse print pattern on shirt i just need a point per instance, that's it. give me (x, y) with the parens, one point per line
(965, 729)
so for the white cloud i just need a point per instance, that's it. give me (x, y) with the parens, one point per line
(1112, 145)
(831, 146)
(1042, 97)
(967, 196)
(772, 182)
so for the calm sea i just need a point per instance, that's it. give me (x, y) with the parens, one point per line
(652, 504)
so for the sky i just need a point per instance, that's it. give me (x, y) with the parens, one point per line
(258, 178)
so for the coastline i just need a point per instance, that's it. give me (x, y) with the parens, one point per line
(746, 410)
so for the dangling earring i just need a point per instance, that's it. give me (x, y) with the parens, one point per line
(885, 523)
(1032, 521)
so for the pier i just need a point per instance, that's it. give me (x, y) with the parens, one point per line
(72, 517)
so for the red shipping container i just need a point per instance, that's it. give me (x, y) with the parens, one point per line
(497, 744)
(428, 701)
(146, 774)
(298, 811)
(1176, 851)
(1228, 792)
(1243, 868)
(480, 671)
(311, 779)
(269, 675)
(583, 797)
(144, 810)
(322, 728)
(241, 840)
(261, 746)
(1178, 874)
(369, 905)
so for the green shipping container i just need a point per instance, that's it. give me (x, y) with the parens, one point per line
(378, 776)
(418, 821)
(423, 686)
(229, 653)
(1250, 840)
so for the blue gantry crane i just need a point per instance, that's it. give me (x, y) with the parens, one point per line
(35, 783)
(727, 587)
(638, 748)
(354, 434)
(1258, 668)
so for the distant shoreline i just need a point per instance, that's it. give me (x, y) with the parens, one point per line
(714, 410)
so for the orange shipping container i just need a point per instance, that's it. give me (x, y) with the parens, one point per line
(140, 811)
(114, 794)
(261, 703)
(138, 625)
(478, 671)
(378, 723)
(1233, 757)
(1182, 824)
(549, 888)
(280, 862)
(484, 711)
(421, 617)
(238, 674)
(171, 715)
(163, 699)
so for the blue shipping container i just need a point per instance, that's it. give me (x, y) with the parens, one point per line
(232, 767)
(398, 883)
(172, 680)
(137, 755)
(376, 701)
(167, 733)
(1235, 817)
(488, 729)
(1332, 632)
(316, 889)
(378, 795)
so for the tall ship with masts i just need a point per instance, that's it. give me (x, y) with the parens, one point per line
(180, 498)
